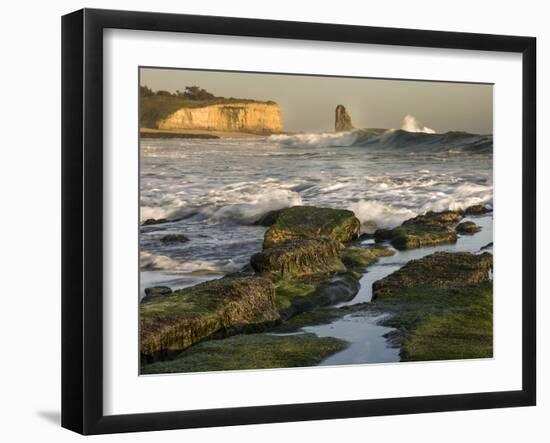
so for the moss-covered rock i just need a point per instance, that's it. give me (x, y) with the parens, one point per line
(269, 218)
(440, 305)
(155, 291)
(296, 296)
(441, 269)
(464, 330)
(301, 222)
(476, 210)
(251, 351)
(296, 257)
(467, 227)
(175, 321)
(442, 218)
(430, 229)
(355, 257)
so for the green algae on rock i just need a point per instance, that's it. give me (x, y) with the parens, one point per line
(250, 351)
(467, 227)
(175, 321)
(440, 323)
(441, 306)
(476, 210)
(355, 257)
(463, 331)
(293, 297)
(312, 222)
(430, 229)
(440, 269)
(298, 257)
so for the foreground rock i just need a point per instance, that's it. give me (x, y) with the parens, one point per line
(430, 229)
(301, 222)
(467, 227)
(293, 297)
(155, 291)
(441, 269)
(175, 321)
(441, 306)
(251, 351)
(297, 257)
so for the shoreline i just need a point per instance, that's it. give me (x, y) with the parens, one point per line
(319, 308)
(196, 134)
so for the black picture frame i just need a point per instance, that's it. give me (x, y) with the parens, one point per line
(82, 220)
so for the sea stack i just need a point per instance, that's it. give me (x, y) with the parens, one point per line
(343, 120)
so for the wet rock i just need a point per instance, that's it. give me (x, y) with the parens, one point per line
(296, 257)
(173, 322)
(430, 229)
(294, 297)
(269, 218)
(358, 258)
(487, 246)
(154, 221)
(312, 222)
(476, 210)
(174, 238)
(156, 291)
(441, 269)
(467, 227)
(442, 218)
(441, 307)
(342, 121)
(251, 351)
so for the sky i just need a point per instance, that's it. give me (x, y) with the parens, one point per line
(308, 102)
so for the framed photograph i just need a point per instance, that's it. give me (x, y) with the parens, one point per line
(269, 221)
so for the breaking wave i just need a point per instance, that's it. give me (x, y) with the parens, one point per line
(150, 261)
(242, 204)
(411, 124)
(414, 138)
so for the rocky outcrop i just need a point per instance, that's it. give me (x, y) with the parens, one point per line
(357, 258)
(467, 227)
(296, 257)
(155, 291)
(430, 229)
(251, 351)
(343, 120)
(441, 269)
(258, 118)
(174, 238)
(175, 321)
(301, 222)
(441, 307)
(476, 210)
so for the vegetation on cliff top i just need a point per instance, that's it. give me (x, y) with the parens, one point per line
(158, 105)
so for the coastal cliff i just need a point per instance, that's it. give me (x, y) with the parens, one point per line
(260, 118)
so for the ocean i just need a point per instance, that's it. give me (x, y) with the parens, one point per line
(214, 190)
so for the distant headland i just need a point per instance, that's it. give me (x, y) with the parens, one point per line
(197, 112)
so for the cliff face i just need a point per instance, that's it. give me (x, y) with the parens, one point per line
(342, 121)
(261, 118)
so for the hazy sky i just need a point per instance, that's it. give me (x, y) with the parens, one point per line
(308, 102)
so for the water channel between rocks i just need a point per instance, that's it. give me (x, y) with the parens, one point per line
(362, 330)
